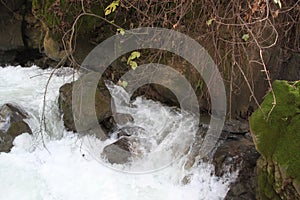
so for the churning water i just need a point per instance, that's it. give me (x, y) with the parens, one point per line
(60, 171)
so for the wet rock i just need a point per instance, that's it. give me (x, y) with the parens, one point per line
(65, 106)
(122, 118)
(102, 107)
(129, 131)
(118, 152)
(12, 124)
(236, 126)
(233, 152)
(194, 150)
(128, 146)
(238, 154)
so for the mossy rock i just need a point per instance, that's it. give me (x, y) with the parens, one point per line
(276, 132)
(60, 14)
(278, 137)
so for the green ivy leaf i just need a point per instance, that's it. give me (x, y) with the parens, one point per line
(111, 7)
(133, 56)
(245, 37)
(133, 65)
(121, 31)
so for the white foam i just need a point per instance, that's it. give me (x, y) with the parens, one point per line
(30, 172)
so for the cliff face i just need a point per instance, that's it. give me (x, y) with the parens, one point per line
(20, 33)
(277, 139)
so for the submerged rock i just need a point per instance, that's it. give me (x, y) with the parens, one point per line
(12, 124)
(276, 133)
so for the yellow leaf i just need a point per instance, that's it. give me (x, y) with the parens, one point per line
(208, 22)
(133, 56)
(111, 7)
(245, 37)
(133, 65)
(107, 12)
(121, 31)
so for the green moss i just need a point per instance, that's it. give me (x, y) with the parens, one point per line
(278, 137)
(266, 181)
(60, 16)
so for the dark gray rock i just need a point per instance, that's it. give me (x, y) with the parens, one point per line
(102, 107)
(235, 151)
(127, 146)
(236, 126)
(122, 118)
(11, 25)
(118, 152)
(12, 124)
(238, 153)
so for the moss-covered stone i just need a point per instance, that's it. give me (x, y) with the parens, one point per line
(61, 14)
(277, 138)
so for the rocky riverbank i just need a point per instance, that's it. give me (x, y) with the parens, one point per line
(31, 33)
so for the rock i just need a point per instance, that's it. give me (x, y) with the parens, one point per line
(20, 34)
(33, 33)
(277, 138)
(12, 124)
(118, 152)
(236, 126)
(65, 106)
(52, 48)
(128, 146)
(11, 25)
(122, 118)
(234, 151)
(102, 106)
(194, 151)
(238, 154)
(129, 131)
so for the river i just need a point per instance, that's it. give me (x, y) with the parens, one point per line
(68, 167)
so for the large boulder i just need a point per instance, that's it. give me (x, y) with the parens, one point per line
(237, 152)
(12, 124)
(275, 129)
(102, 106)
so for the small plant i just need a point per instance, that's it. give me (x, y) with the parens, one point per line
(112, 7)
(131, 59)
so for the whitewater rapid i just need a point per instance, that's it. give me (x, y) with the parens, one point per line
(69, 168)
